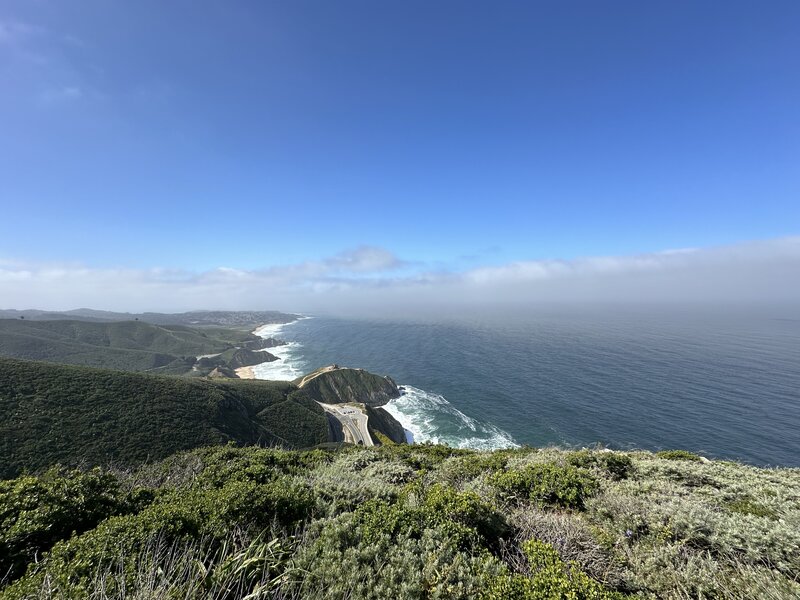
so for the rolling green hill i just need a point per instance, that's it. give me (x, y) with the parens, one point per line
(78, 415)
(126, 345)
(198, 318)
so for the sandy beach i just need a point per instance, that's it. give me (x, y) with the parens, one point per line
(245, 373)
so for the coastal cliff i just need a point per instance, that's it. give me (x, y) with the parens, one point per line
(338, 385)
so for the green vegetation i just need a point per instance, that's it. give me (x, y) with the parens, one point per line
(337, 385)
(403, 521)
(200, 318)
(679, 455)
(130, 485)
(545, 484)
(550, 577)
(79, 415)
(130, 345)
(384, 427)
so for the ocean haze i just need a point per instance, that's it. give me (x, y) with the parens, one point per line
(373, 281)
(724, 384)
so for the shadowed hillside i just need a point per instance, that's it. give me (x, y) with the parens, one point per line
(78, 415)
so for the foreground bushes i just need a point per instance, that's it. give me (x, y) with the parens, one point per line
(37, 512)
(404, 522)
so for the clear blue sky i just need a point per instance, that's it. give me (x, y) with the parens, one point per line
(195, 134)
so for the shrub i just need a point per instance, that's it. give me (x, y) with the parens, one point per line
(546, 484)
(37, 512)
(465, 468)
(678, 455)
(335, 565)
(463, 515)
(550, 579)
(573, 538)
(176, 518)
(617, 465)
(423, 456)
(747, 506)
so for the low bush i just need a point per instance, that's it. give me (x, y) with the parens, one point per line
(550, 579)
(615, 464)
(176, 518)
(679, 455)
(546, 484)
(37, 512)
(467, 520)
(746, 506)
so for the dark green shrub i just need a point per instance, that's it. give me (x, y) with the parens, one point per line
(37, 512)
(223, 464)
(180, 516)
(617, 465)
(746, 506)
(423, 456)
(546, 484)
(678, 455)
(463, 515)
(550, 579)
(469, 467)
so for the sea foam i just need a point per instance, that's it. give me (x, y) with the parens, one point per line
(426, 416)
(431, 418)
(289, 363)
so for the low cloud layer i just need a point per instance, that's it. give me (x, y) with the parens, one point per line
(373, 281)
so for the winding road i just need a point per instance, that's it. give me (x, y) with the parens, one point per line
(353, 421)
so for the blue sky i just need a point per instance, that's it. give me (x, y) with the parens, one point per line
(451, 136)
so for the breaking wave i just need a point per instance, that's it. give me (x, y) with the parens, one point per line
(430, 417)
(426, 417)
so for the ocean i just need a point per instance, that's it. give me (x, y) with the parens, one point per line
(725, 385)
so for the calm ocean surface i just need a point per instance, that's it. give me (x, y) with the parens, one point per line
(727, 386)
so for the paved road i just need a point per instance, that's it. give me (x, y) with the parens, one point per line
(353, 421)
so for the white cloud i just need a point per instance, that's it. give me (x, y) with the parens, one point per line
(16, 33)
(364, 281)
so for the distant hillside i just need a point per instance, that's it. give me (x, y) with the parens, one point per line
(127, 345)
(200, 318)
(73, 415)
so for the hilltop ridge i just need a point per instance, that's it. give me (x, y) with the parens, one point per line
(198, 318)
(132, 345)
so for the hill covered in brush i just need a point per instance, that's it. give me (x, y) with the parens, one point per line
(197, 318)
(404, 521)
(130, 345)
(79, 415)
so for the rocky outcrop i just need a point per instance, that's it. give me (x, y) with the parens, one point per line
(337, 385)
(380, 420)
(235, 359)
(222, 373)
(248, 358)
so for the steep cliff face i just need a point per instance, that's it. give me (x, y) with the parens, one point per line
(337, 385)
(381, 421)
